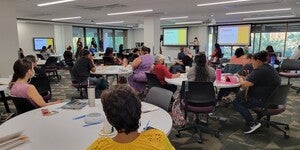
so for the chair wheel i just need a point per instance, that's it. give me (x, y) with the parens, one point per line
(287, 128)
(286, 136)
(178, 135)
(217, 134)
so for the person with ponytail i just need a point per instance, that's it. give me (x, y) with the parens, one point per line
(258, 85)
(20, 87)
(201, 72)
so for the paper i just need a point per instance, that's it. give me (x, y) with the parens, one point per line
(12, 140)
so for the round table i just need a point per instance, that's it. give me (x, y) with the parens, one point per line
(222, 84)
(60, 131)
(177, 81)
(113, 70)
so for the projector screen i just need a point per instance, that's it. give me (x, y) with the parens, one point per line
(38, 43)
(234, 35)
(175, 36)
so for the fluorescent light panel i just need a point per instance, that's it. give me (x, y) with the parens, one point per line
(69, 18)
(271, 17)
(173, 18)
(54, 2)
(189, 22)
(114, 22)
(258, 11)
(224, 2)
(130, 12)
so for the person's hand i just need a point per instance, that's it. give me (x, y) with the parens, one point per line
(178, 74)
(58, 101)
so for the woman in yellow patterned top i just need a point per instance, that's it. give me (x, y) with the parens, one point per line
(122, 108)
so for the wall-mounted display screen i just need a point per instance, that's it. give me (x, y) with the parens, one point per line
(175, 36)
(39, 42)
(234, 35)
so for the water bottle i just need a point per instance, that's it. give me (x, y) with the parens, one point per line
(218, 74)
(91, 94)
(272, 61)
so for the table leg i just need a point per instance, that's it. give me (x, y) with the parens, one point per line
(5, 102)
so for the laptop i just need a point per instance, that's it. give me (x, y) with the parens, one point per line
(76, 104)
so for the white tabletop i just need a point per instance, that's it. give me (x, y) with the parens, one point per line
(4, 85)
(113, 70)
(41, 62)
(61, 132)
(222, 84)
(177, 81)
(5, 81)
(98, 58)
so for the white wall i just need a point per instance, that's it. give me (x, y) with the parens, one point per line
(62, 35)
(199, 31)
(8, 37)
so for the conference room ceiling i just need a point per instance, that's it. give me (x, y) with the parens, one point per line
(94, 11)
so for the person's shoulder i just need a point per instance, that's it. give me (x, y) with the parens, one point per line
(100, 143)
(153, 134)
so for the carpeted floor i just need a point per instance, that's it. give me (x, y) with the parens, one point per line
(232, 136)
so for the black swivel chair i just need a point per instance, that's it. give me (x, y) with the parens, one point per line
(50, 68)
(42, 85)
(159, 97)
(198, 98)
(275, 105)
(287, 66)
(232, 68)
(152, 81)
(23, 105)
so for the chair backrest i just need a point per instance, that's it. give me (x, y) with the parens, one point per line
(232, 68)
(51, 62)
(40, 56)
(198, 93)
(152, 80)
(23, 105)
(279, 95)
(42, 84)
(159, 97)
(290, 64)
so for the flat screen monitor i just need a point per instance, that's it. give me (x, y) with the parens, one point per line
(39, 42)
(175, 36)
(234, 35)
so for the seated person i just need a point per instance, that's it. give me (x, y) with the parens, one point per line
(296, 54)
(82, 68)
(92, 50)
(238, 58)
(108, 57)
(19, 86)
(68, 56)
(38, 72)
(271, 53)
(136, 54)
(259, 84)
(122, 99)
(201, 72)
(44, 53)
(162, 72)
(140, 66)
(184, 58)
(121, 57)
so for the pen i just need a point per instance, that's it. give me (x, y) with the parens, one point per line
(86, 125)
(79, 117)
(147, 125)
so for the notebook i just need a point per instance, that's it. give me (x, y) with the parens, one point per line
(76, 104)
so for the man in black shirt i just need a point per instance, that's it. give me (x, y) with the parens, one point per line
(82, 68)
(259, 83)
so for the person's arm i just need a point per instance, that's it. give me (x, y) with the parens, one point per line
(136, 62)
(245, 83)
(34, 95)
(92, 64)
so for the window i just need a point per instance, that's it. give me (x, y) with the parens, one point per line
(119, 39)
(293, 39)
(273, 34)
(89, 34)
(108, 38)
(77, 33)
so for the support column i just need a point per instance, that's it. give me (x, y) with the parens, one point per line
(8, 37)
(152, 33)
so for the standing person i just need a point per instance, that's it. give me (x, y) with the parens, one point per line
(196, 45)
(296, 54)
(94, 43)
(140, 66)
(123, 110)
(260, 83)
(201, 72)
(246, 50)
(162, 72)
(68, 56)
(101, 44)
(217, 54)
(19, 86)
(79, 43)
(82, 68)
(20, 53)
(78, 52)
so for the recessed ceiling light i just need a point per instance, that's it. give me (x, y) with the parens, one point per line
(258, 11)
(54, 2)
(130, 12)
(189, 22)
(173, 18)
(271, 17)
(68, 18)
(224, 2)
(114, 22)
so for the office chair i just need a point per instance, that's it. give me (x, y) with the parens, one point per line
(152, 80)
(232, 68)
(287, 66)
(198, 98)
(275, 105)
(159, 97)
(50, 68)
(23, 105)
(42, 85)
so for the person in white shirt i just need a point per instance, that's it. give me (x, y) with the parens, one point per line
(296, 54)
